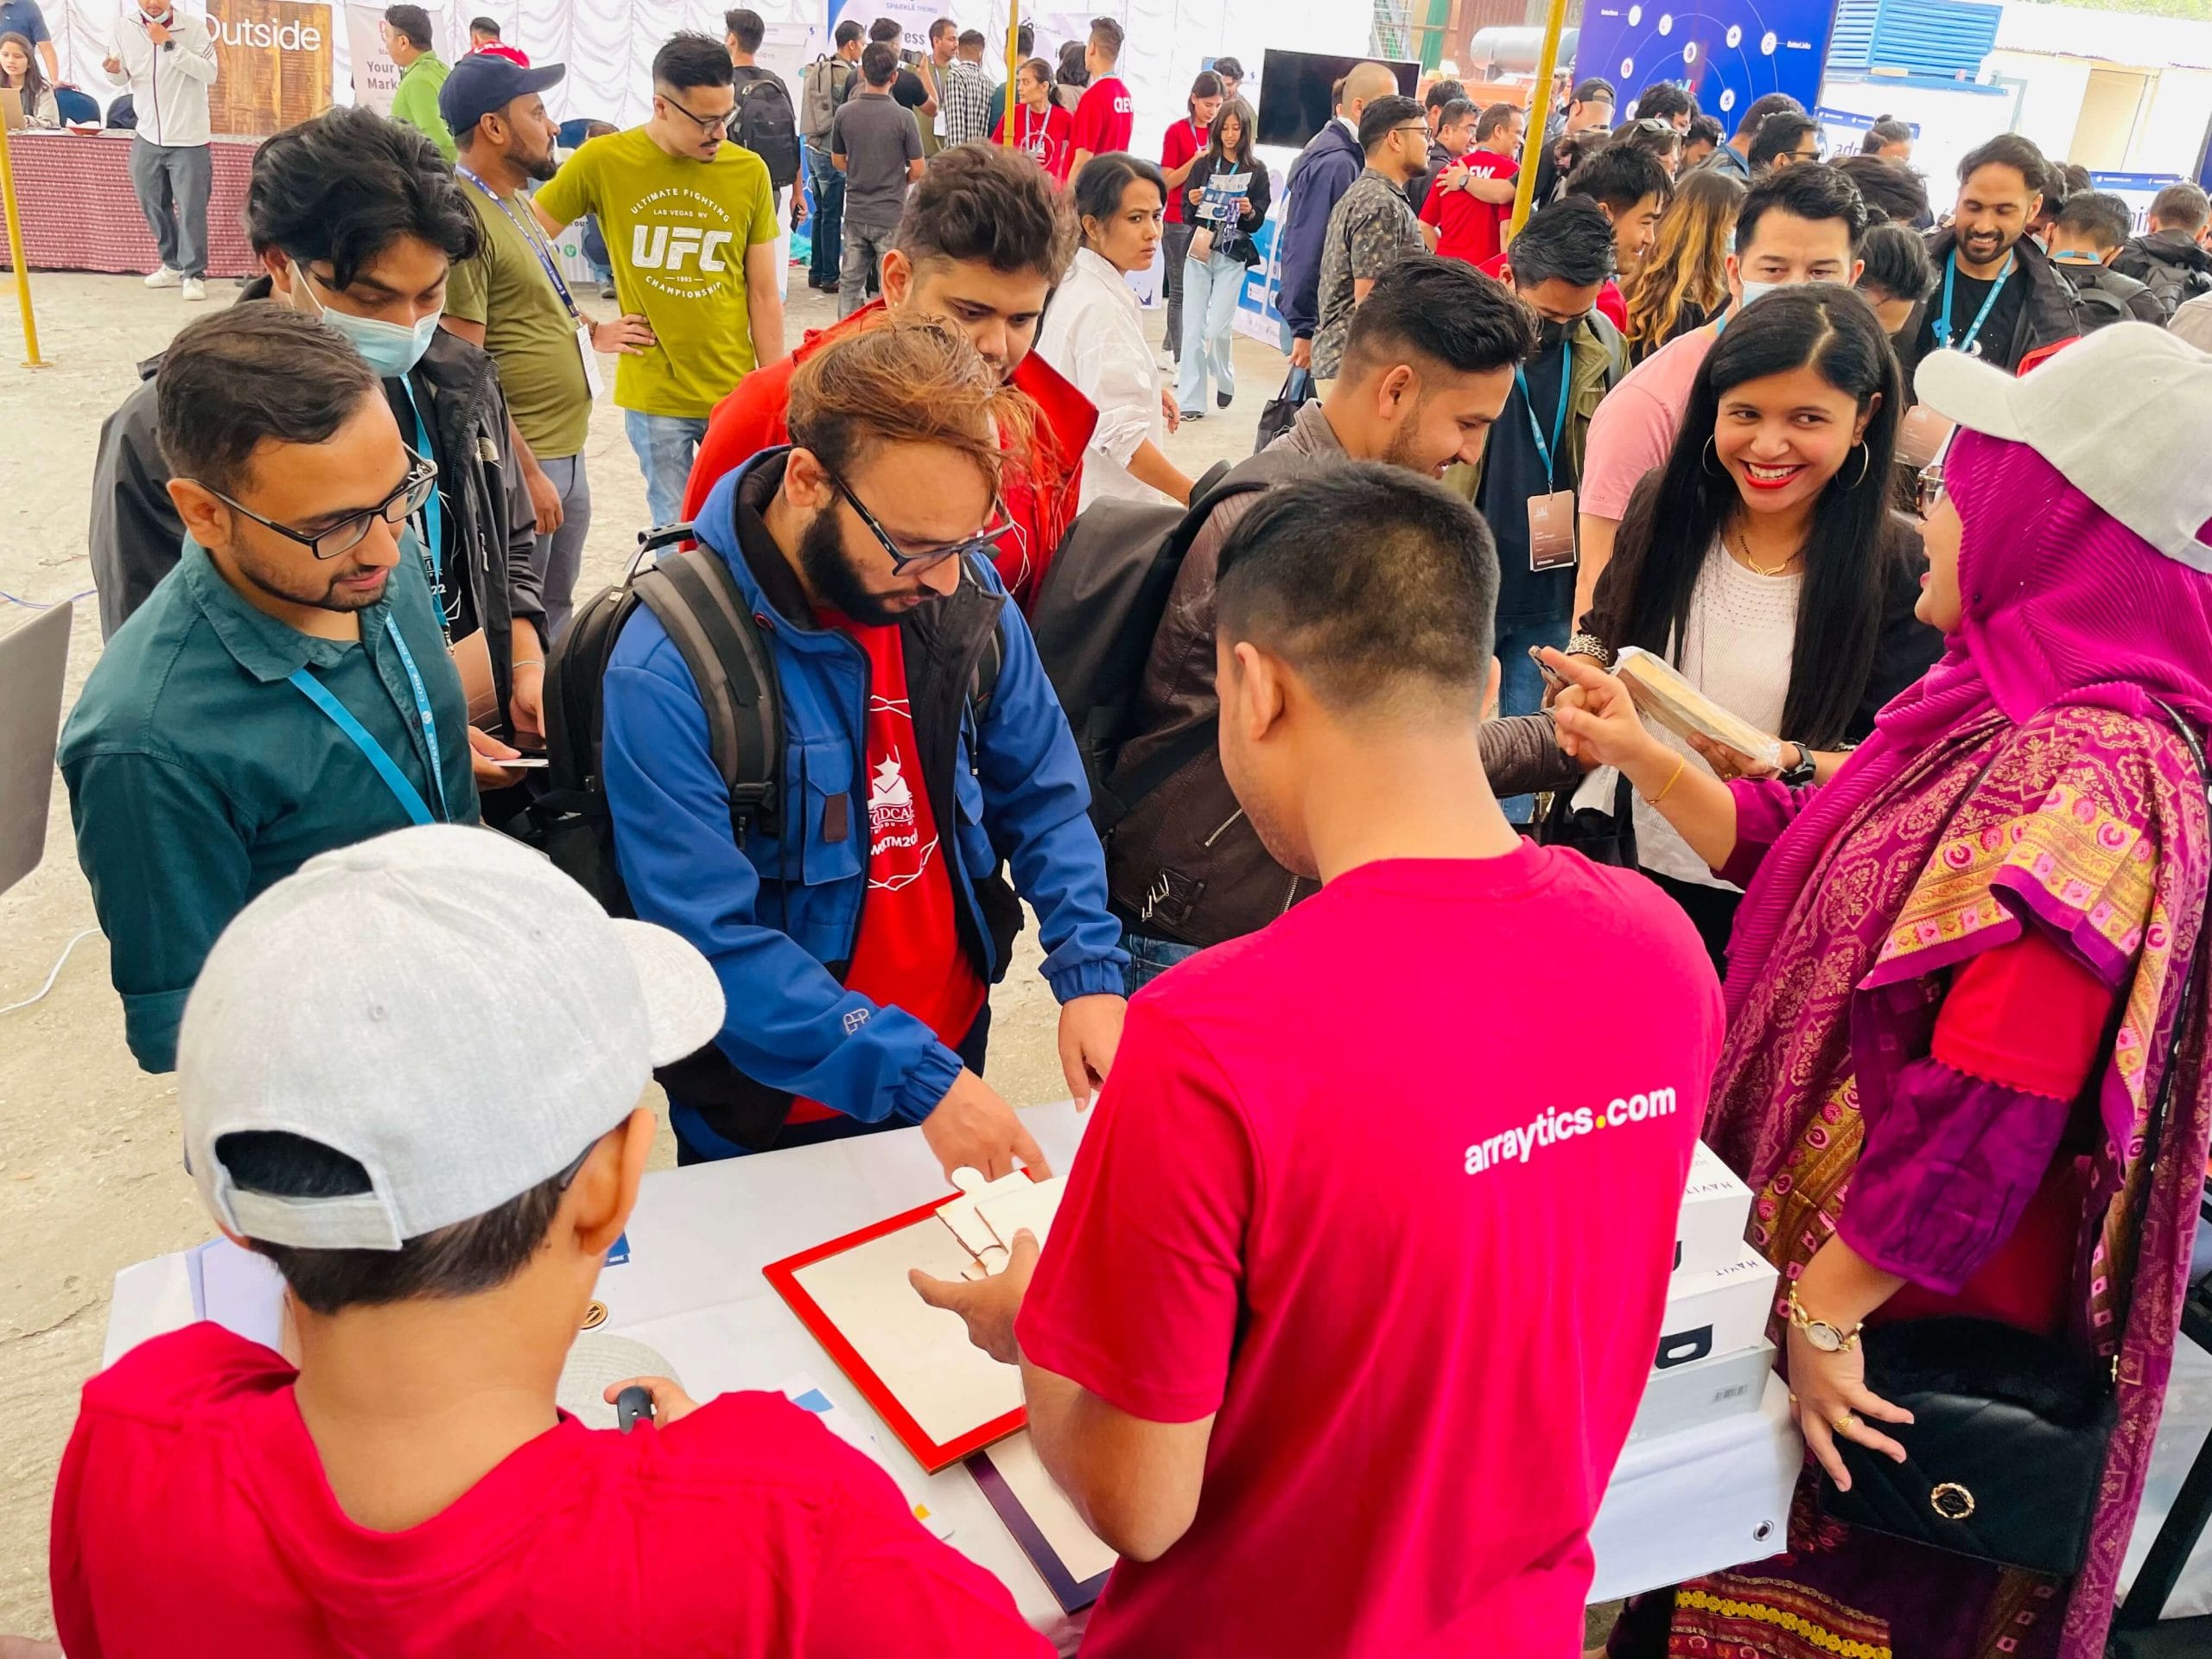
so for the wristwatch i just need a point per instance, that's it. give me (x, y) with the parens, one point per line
(1825, 1338)
(1799, 775)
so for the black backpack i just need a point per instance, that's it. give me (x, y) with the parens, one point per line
(2099, 307)
(2173, 280)
(765, 122)
(1097, 612)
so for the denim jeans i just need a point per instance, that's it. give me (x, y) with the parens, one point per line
(1520, 682)
(862, 266)
(561, 555)
(827, 225)
(1174, 250)
(1150, 957)
(1210, 294)
(665, 446)
(173, 182)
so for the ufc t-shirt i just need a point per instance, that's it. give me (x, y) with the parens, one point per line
(1105, 118)
(907, 953)
(1044, 136)
(1468, 228)
(193, 1520)
(1365, 1188)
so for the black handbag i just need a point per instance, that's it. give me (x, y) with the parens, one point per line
(1600, 836)
(1282, 409)
(2004, 1457)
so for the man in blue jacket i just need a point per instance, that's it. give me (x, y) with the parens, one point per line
(857, 932)
(1322, 173)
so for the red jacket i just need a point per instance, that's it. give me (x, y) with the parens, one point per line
(1041, 494)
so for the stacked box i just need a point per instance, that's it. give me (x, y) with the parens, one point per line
(1712, 1355)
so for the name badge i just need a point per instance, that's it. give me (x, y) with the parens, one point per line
(593, 383)
(1551, 530)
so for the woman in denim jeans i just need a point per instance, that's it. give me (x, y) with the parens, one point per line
(1211, 285)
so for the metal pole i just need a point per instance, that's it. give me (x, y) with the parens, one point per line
(1013, 65)
(1539, 114)
(15, 216)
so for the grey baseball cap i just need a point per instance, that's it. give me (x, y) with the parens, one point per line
(442, 1006)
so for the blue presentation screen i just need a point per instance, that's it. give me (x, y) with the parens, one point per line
(1727, 52)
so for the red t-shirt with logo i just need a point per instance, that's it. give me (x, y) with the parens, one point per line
(1388, 1213)
(1179, 145)
(1467, 228)
(193, 1520)
(1105, 118)
(908, 952)
(1044, 136)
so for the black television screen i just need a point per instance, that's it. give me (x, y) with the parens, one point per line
(1294, 92)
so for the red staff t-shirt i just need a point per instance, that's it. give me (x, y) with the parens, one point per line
(1363, 1187)
(1044, 136)
(1469, 228)
(908, 952)
(193, 1520)
(1179, 145)
(1105, 118)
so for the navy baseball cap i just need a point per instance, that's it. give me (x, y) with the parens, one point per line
(479, 83)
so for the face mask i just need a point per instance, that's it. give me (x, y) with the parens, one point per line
(387, 347)
(1754, 290)
(1549, 334)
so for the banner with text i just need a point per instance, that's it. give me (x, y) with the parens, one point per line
(376, 77)
(273, 64)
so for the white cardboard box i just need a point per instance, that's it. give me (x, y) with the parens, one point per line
(1704, 1391)
(1715, 1208)
(1719, 1311)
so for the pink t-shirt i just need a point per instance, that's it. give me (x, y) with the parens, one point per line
(1352, 1188)
(1635, 427)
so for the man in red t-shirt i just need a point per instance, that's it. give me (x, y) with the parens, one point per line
(1107, 115)
(1469, 202)
(1360, 1269)
(981, 242)
(438, 1180)
(1041, 126)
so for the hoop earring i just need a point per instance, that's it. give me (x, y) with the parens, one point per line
(1708, 461)
(1864, 462)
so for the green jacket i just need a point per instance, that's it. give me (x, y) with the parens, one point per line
(415, 103)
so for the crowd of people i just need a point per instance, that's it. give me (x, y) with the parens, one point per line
(1919, 502)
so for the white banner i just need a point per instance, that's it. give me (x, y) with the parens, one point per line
(376, 77)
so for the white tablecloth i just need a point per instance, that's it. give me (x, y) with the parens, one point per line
(692, 1289)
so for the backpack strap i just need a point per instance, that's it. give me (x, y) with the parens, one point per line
(985, 680)
(709, 622)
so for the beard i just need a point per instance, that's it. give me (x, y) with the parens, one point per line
(836, 584)
(541, 167)
(316, 589)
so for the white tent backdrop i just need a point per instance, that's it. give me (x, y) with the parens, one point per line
(608, 45)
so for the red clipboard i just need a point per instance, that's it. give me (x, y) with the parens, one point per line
(932, 1455)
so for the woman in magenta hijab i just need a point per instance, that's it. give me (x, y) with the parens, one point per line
(1955, 986)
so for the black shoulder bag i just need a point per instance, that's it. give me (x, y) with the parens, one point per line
(2005, 1454)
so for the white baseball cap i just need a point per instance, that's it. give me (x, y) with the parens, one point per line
(2122, 413)
(442, 1006)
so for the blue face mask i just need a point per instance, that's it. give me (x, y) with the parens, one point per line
(1757, 290)
(387, 347)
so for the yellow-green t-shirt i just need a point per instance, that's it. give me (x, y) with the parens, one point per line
(527, 330)
(676, 232)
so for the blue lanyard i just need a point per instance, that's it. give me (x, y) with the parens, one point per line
(433, 559)
(402, 789)
(1548, 453)
(1942, 327)
(536, 243)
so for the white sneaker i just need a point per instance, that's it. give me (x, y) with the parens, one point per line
(195, 290)
(165, 278)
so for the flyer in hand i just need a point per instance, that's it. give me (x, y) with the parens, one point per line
(1664, 696)
(1223, 203)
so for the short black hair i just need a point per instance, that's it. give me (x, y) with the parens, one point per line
(1391, 110)
(940, 25)
(1889, 187)
(485, 26)
(1495, 118)
(1779, 135)
(988, 204)
(880, 63)
(250, 375)
(1376, 586)
(691, 59)
(886, 28)
(1107, 34)
(1230, 67)
(2104, 219)
(1759, 108)
(744, 27)
(1024, 40)
(342, 186)
(1596, 90)
(1662, 100)
(411, 22)
(1887, 130)
(2009, 149)
(1897, 262)
(466, 1259)
(1808, 193)
(1620, 175)
(1442, 93)
(1571, 239)
(2182, 206)
(1428, 309)
(971, 37)
(1104, 179)
(1454, 113)
(1704, 130)
(848, 32)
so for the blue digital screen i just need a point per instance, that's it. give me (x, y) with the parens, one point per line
(1726, 52)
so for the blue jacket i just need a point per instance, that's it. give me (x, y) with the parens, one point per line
(770, 914)
(1324, 169)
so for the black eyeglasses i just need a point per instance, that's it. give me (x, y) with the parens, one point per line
(985, 541)
(347, 534)
(706, 123)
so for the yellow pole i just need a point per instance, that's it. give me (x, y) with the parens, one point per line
(1013, 65)
(1540, 110)
(15, 215)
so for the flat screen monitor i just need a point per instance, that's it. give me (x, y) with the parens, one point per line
(1295, 88)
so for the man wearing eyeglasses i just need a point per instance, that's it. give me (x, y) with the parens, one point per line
(691, 225)
(287, 689)
(857, 929)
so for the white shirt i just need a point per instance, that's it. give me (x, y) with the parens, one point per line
(1093, 334)
(168, 86)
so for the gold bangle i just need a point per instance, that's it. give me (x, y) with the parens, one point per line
(1671, 782)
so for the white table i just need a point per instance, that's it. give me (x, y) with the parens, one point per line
(692, 1289)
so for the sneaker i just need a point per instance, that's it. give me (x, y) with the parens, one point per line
(607, 290)
(165, 278)
(1222, 399)
(1194, 414)
(195, 290)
